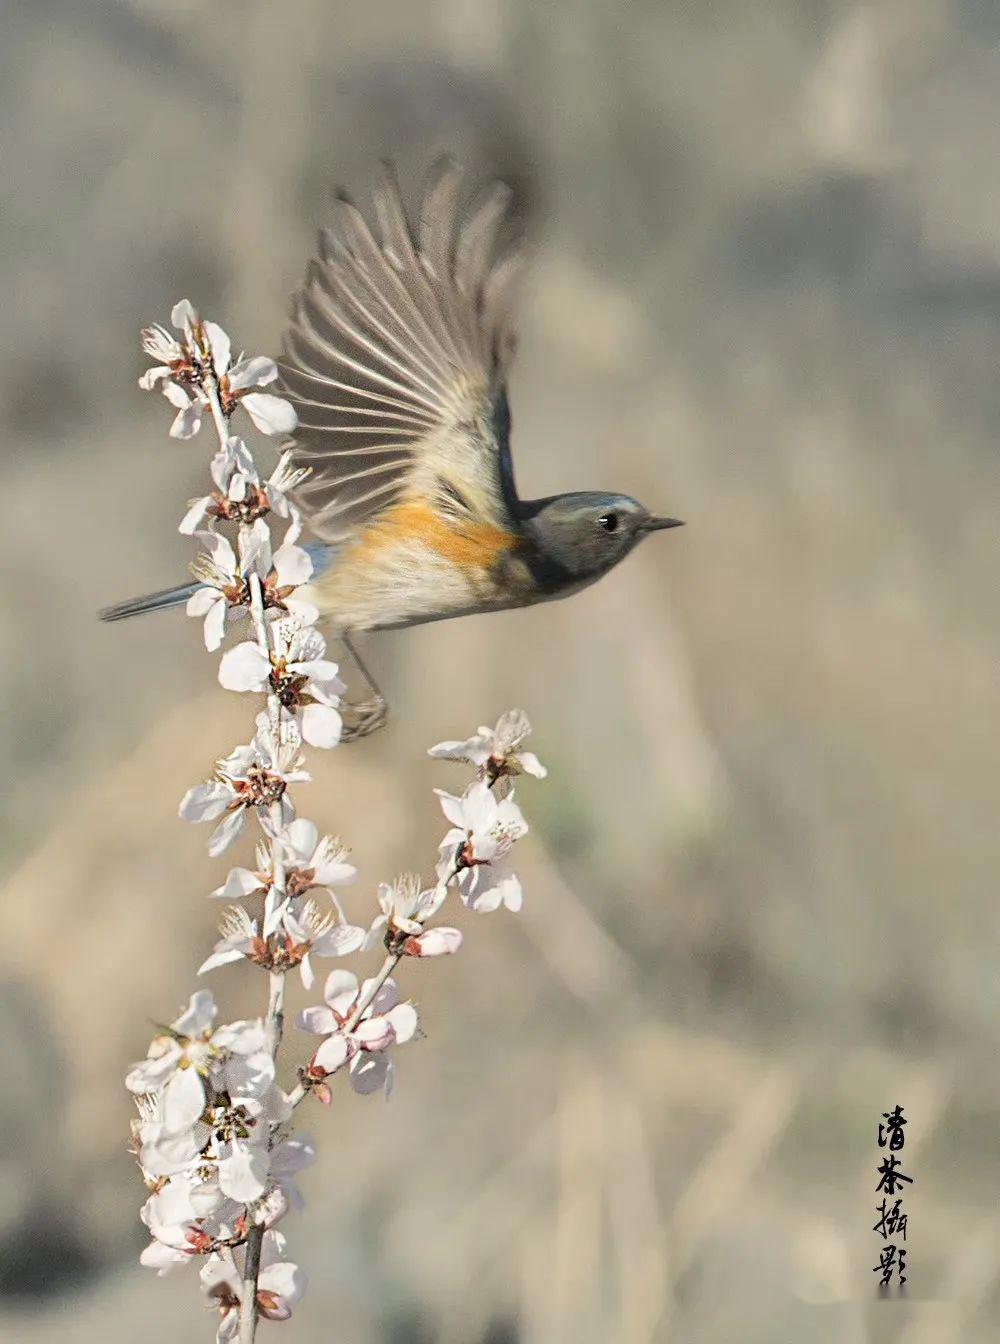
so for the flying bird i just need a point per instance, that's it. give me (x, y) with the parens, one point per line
(396, 359)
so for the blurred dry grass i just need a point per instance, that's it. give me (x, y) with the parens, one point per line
(760, 881)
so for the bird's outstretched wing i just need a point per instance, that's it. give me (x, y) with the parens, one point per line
(395, 357)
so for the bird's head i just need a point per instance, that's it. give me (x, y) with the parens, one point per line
(587, 532)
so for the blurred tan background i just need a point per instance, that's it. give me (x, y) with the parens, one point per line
(760, 884)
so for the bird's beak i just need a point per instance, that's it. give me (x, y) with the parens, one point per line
(656, 524)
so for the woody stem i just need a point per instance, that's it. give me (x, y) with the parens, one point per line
(274, 1021)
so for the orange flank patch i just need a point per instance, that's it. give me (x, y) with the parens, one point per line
(468, 545)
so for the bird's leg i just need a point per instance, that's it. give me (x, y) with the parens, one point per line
(366, 716)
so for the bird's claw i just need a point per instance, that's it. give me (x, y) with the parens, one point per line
(368, 716)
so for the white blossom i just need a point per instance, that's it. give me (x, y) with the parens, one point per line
(310, 932)
(192, 1057)
(253, 776)
(279, 1286)
(235, 497)
(241, 496)
(238, 385)
(182, 361)
(186, 1216)
(312, 860)
(484, 829)
(496, 751)
(385, 1022)
(243, 882)
(405, 908)
(240, 939)
(297, 673)
(225, 586)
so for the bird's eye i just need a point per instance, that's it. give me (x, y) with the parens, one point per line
(609, 521)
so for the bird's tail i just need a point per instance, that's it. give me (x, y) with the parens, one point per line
(166, 597)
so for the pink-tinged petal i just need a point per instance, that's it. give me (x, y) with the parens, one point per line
(215, 625)
(319, 1020)
(403, 1020)
(285, 1280)
(339, 985)
(331, 1055)
(253, 371)
(374, 1033)
(205, 802)
(370, 1073)
(292, 565)
(187, 422)
(271, 415)
(246, 667)
(386, 998)
(226, 832)
(162, 1258)
(321, 726)
(220, 345)
(243, 1174)
(272, 1308)
(433, 943)
(183, 1100)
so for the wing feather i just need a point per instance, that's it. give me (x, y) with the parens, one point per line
(395, 357)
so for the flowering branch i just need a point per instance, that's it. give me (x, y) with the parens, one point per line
(213, 1138)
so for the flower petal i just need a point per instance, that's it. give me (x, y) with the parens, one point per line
(321, 725)
(252, 371)
(319, 1020)
(226, 832)
(246, 667)
(332, 1054)
(271, 415)
(205, 802)
(243, 1173)
(186, 422)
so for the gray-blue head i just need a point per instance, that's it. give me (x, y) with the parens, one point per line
(584, 534)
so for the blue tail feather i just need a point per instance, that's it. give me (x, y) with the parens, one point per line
(136, 606)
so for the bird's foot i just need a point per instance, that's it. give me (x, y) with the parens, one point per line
(365, 717)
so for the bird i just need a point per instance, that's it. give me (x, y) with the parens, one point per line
(396, 358)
